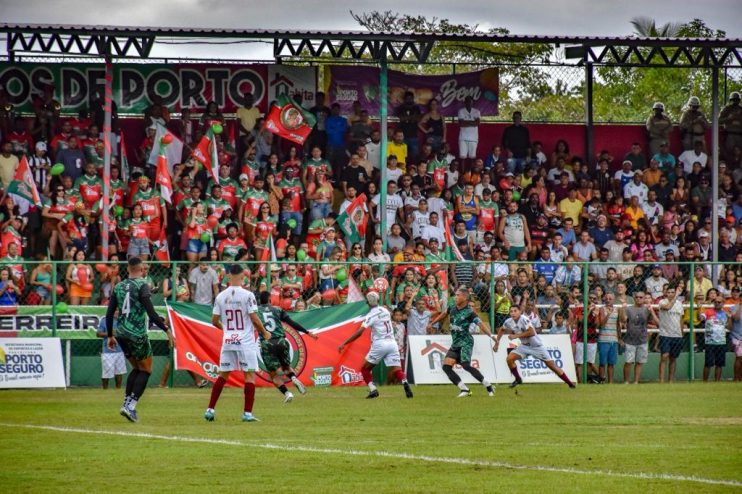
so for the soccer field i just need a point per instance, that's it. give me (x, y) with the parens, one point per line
(546, 438)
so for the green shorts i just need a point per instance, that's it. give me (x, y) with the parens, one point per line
(136, 347)
(461, 354)
(276, 353)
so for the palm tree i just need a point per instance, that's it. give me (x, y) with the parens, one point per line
(647, 28)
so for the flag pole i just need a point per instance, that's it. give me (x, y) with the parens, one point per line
(383, 89)
(106, 157)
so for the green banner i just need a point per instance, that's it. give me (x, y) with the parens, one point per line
(79, 322)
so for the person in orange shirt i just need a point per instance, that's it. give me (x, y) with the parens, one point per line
(634, 212)
(652, 175)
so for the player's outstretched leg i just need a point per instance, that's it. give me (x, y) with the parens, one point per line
(288, 396)
(559, 372)
(299, 385)
(456, 380)
(513, 366)
(479, 377)
(368, 378)
(400, 376)
(216, 391)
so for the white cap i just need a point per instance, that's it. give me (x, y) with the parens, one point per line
(41, 146)
(734, 95)
(658, 106)
(694, 101)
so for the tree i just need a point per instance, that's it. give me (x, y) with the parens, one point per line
(647, 27)
(626, 94)
(518, 76)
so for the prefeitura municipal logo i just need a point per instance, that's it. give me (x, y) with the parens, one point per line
(298, 353)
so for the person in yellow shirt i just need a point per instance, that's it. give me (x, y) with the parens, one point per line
(652, 175)
(247, 115)
(398, 148)
(571, 207)
(634, 212)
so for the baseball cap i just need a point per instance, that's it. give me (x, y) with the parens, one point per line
(703, 234)
(627, 161)
(669, 252)
(244, 176)
(638, 172)
(41, 146)
(508, 174)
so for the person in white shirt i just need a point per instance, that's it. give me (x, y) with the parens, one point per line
(653, 210)
(418, 317)
(670, 342)
(469, 118)
(394, 207)
(584, 250)
(422, 218)
(517, 326)
(383, 346)
(235, 313)
(655, 284)
(432, 231)
(373, 150)
(687, 158)
(636, 188)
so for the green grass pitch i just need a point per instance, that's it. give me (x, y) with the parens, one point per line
(546, 438)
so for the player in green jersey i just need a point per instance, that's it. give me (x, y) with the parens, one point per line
(461, 316)
(275, 352)
(131, 298)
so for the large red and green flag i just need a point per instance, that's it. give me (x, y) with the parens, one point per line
(454, 254)
(315, 362)
(207, 154)
(174, 150)
(352, 221)
(163, 174)
(23, 184)
(289, 120)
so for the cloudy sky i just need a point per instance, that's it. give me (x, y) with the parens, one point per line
(578, 17)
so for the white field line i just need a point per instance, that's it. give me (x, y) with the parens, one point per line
(387, 454)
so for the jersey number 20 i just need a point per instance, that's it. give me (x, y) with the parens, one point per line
(234, 320)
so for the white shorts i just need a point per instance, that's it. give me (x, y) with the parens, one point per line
(386, 350)
(592, 349)
(245, 360)
(537, 352)
(467, 149)
(113, 364)
(636, 354)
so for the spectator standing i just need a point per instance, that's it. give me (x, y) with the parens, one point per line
(433, 126)
(730, 119)
(670, 341)
(636, 319)
(636, 157)
(113, 362)
(469, 118)
(409, 116)
(513, 231)
(608, 337)
(716, 322)
(336, 127)
(8, 164)
(516, 141)
(204, 284)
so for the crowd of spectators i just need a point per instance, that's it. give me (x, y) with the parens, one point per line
(510, 200)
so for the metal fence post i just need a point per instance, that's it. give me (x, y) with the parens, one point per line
(491, 296)
(691, 334)
(585, 288)
(54, 297)
(173, 296)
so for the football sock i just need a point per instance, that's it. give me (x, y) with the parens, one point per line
(249, 396)
(216, 391)
(486, 383)
(473, 371)
(514, 372)
(130, 381)
(452, 376)
(140, 385)
(399, 374)
(563, 376)
(367, 375)
(291, 375)
(283, 389)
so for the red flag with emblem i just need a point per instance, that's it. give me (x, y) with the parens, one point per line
(163, 176)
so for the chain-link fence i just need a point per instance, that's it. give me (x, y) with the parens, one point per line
(670, 317)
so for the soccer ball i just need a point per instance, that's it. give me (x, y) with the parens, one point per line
(381, 285)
